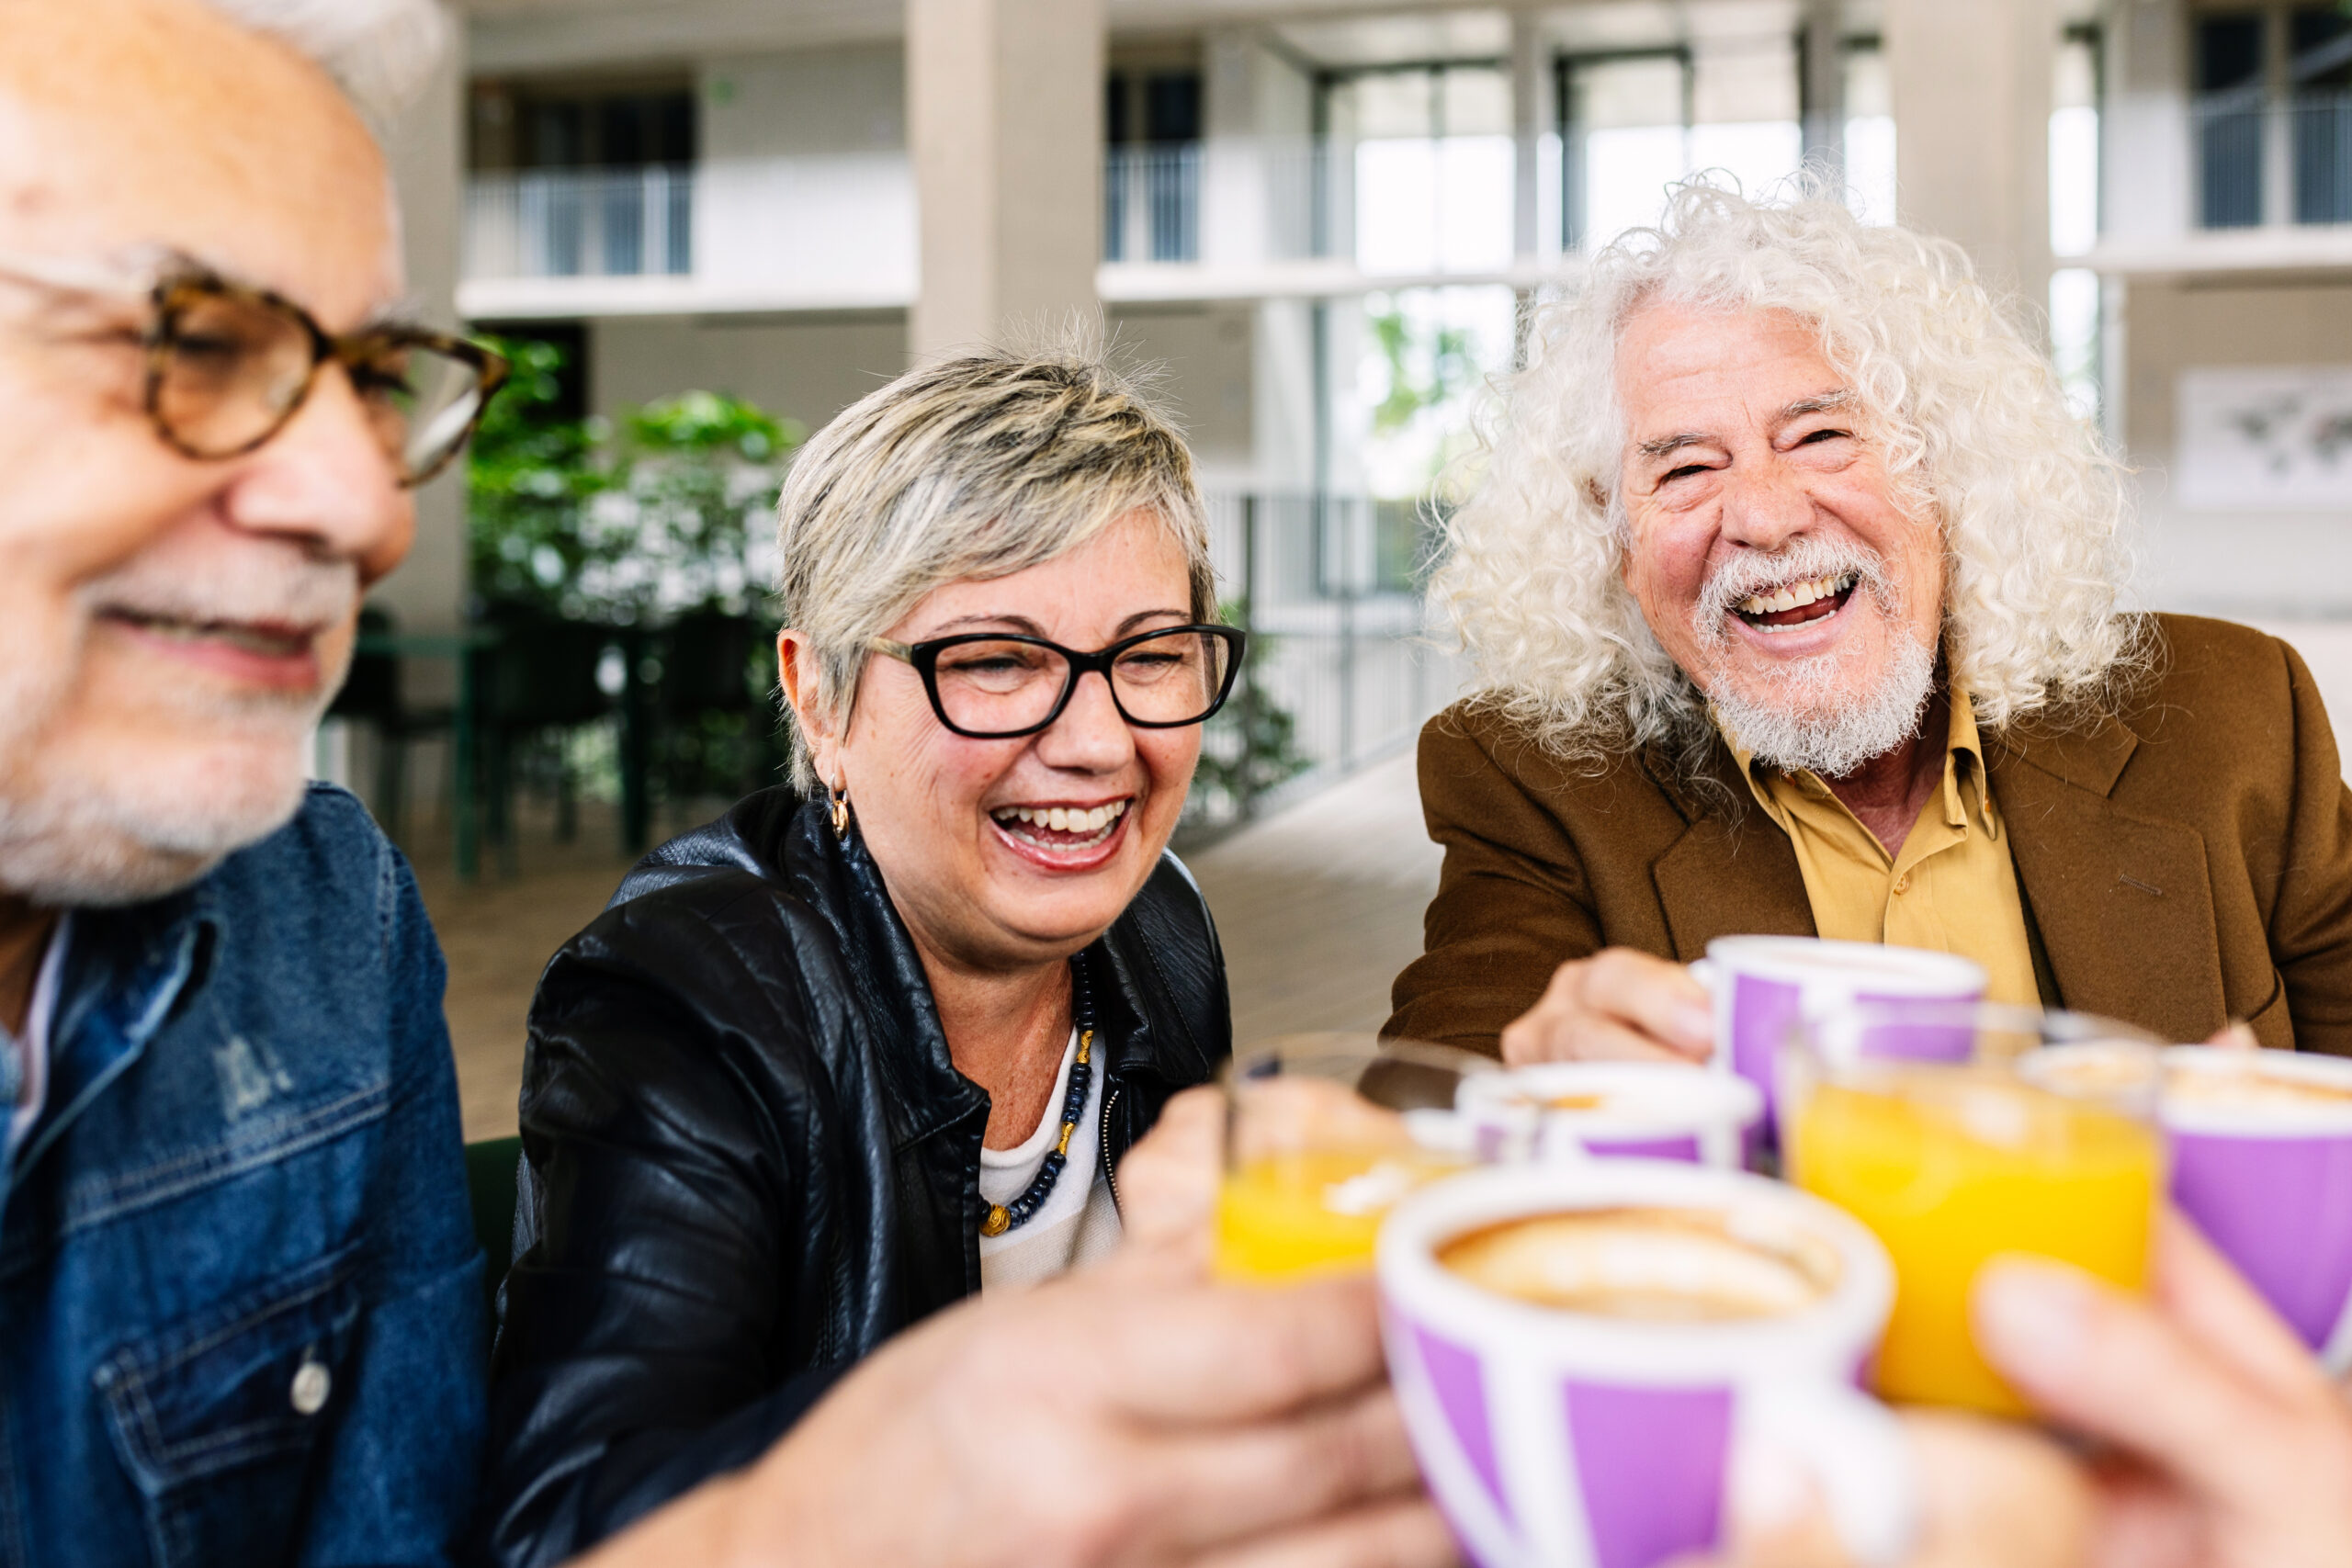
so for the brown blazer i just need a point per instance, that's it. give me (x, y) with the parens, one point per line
(2186, 862)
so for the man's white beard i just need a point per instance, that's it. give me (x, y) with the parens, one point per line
(1810, 720)
(134, 832)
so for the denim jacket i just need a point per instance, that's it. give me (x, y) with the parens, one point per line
(240, 1299)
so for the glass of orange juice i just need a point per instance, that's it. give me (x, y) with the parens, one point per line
(1953, 1163)
(1320, 1145)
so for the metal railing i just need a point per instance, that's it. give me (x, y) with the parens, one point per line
(1341, 668)
(2261, 159)
(1151, 203)
(581, 223)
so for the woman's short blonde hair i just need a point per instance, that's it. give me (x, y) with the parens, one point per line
(971, 468)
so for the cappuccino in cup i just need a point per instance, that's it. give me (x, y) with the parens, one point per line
(1591, 1356)
(2262, 1163)
(1646, 1264)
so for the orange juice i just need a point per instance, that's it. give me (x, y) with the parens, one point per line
(1309, 1213)
(1953, 1166)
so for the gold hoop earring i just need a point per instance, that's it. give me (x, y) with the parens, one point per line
(839, 810)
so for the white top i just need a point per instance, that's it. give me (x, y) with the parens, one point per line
(32, 1048)
(1078, 1221)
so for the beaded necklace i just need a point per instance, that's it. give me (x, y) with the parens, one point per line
(1003, 1217)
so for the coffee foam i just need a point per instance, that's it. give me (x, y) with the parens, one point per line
(2251, 1087)
(1650, 1264)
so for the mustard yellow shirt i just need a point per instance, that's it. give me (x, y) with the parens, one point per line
(1952, 888)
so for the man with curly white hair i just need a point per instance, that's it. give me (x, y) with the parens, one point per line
(1796, 592)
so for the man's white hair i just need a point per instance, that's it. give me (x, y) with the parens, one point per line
(382, 51)
(1975, 430)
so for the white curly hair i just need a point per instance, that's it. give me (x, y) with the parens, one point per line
(1975, 429)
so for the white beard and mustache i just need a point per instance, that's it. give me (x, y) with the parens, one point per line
(133, 834)
(1810, 720)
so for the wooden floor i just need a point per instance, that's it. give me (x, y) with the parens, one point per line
(1318, 907)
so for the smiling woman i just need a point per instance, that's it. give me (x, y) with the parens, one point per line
(859, 1050)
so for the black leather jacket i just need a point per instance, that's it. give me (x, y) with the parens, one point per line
(748, 1160)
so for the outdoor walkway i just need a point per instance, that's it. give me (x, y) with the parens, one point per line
(1318, 907)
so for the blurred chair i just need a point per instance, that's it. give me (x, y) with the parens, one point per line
(539, 675)
(493, 1174)
(371, 695)
(718, 665)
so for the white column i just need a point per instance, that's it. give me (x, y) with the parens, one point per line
(1824, 87)
(426, 148)
(1528, 99)
(1971, 86)
(1004, 108)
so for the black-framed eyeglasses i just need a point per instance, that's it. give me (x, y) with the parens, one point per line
(1000, 687)
(229, 365)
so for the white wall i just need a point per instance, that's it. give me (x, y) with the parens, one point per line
(807, 370)
(2286, 564)
(804, 180)
(1203, 355)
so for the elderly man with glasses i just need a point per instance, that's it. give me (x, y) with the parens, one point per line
(241, 1294)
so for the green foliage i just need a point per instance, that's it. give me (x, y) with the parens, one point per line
(529, 477)
(1252, 743)
(664, 517)
(1425, 370)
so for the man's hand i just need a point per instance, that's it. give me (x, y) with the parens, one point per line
(1618, 1005)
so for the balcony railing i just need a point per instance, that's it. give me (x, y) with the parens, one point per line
(2264, 160)
(581, 223)
(1151, 203)
(1342, 669)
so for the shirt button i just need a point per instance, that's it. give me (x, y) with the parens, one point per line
(312, 1384)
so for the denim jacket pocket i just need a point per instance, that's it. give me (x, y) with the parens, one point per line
(218, 1418)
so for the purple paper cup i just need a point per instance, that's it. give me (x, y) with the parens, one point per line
(1555, 1438)
(2262, 1163)
(1764, 986)
(1568, 1110)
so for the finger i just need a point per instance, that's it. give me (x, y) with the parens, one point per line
(2110, 1365)
(1590, 1037)
(1407, 1532)
(1230, 1354)
(2215, 1307)
(1993, 1492)
(2235, 1035)
(1216, 1488)
(1662, 1000)
(1168, 1181)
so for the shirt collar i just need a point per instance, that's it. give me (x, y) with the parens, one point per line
(1964, 754)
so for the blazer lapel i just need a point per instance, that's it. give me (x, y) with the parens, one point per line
(1726, 875)
(2122, 901)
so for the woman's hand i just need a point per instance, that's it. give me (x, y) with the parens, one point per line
(1619, 1005)
(1128, 1413)
(2236, 1447)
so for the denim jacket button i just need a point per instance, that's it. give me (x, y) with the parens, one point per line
(312, 1382)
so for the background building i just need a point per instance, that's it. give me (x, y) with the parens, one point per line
(1323, 220)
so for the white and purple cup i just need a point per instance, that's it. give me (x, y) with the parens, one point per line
(1567, 1111)
(1556, 1439)
(2262, 1163)
(1765, 987)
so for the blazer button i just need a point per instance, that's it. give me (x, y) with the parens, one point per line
(1903, 882)
(312, 1384)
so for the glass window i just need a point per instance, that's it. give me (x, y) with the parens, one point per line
(2228, 115)
(2320, 68)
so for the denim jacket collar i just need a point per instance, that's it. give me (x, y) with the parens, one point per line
(125, 972)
